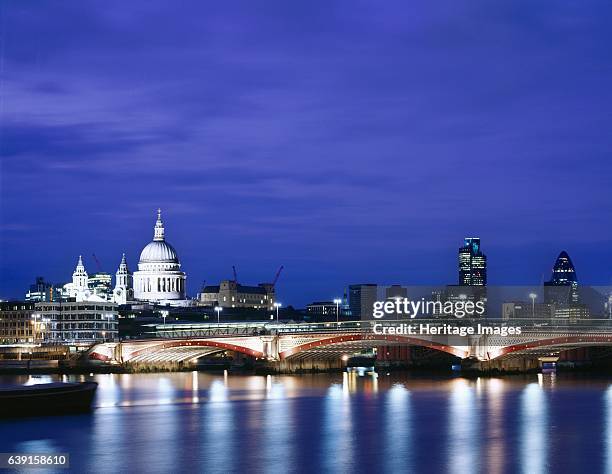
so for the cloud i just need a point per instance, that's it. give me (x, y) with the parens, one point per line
(318, 129)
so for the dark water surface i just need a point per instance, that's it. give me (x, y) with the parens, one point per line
(223, 423)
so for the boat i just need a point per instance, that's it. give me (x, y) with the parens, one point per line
(46, 399)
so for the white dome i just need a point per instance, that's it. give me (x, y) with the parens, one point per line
(159, 277)
(158, 251)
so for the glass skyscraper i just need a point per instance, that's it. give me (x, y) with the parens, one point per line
(472, 263)
(562, 289)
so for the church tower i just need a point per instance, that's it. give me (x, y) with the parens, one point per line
(79, 288)
(123, 291)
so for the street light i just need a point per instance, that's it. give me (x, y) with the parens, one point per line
(337, 301)
(164, 315)
(277, 305)
(533, 297)
(218, 309)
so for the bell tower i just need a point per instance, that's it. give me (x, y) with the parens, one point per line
(123, 291)
(79, 288)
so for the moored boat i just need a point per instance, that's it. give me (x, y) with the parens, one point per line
(46, 399)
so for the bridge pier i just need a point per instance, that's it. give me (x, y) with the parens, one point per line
(290, 366)
(521, 365)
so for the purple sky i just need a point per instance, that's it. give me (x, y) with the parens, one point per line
(349, 141)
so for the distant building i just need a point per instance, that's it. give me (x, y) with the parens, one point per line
(361, 300)
(572, 312)
(82, 322)
(527, 310)
(17, 325)
(231, 294)
(45, 291)
(396, 291)
(101, 285)
(472, 263)
(326, 311)
(562, 288)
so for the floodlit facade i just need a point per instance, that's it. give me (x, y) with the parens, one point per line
(230, 294)
(159, 278)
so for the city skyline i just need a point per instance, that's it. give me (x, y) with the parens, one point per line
(347, 144)
(472, 245)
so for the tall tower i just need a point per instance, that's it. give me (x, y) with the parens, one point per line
(79, 288)
(123, 291)
(472, 263)
(562, 288)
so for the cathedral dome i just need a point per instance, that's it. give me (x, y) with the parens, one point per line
(158, 251)
(159, 277)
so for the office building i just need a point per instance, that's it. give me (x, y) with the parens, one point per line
(361, 300)
(562, 288)
(81, 322)
(396, 291)
(101, 285)
(42, 290)
(527, 310)
(472, 263)
(17, 323)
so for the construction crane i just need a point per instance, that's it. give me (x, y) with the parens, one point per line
(97, 262)
(235, 274)
(280, 269)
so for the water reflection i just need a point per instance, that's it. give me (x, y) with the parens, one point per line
(337, 427)
(218, 428)
(398, 429)
(277, 428)
(608, 437)
(534, 424)
(327, 422)
(495, 449)
(463, 424)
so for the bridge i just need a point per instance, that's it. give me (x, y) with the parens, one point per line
(301, 344)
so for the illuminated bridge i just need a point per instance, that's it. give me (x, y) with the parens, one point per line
(302, 342)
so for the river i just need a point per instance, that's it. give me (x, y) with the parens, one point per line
(351, 422)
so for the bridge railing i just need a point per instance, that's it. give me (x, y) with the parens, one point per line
(261, 328)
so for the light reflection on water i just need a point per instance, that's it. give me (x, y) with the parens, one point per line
(326, 422)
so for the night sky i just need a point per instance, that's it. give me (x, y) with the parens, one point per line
(348, 141)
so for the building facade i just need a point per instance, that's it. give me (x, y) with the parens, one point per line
(527, 310)
(231, 294)
(323, 311)
(17, 323)
(81, 322)
(159, 278)
(101, 285)
(361, 300)
(472, 263)
(562, 288)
